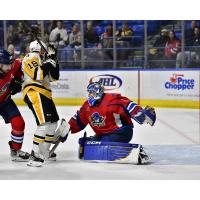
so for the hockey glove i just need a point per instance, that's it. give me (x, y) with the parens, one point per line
(146, 115)
(139, 117)
(52, 52)
(62, 131)
(150, 115)
(16, 85)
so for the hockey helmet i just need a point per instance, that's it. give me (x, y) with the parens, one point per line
(95, 92)
(5, 57)
(35, 46)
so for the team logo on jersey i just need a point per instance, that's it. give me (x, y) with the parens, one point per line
(97, 120)
(110, 82)
(178, 82)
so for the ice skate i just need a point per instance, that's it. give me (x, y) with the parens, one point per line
(35, 160)
(18, 156)
(143, 157)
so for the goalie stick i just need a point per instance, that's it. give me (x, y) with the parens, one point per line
(56, 144)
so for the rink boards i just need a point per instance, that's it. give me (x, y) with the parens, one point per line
(159, 88)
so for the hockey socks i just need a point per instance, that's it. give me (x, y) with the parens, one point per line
(17, 134)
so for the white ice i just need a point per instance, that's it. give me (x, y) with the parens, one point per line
(173, 144)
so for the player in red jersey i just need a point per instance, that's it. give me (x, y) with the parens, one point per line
(110, 115)
(10, 83)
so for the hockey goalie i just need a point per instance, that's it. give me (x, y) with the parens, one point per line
(110, 116)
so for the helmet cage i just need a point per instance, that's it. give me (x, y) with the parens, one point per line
(95, 92)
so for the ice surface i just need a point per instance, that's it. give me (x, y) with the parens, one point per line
(173, 144)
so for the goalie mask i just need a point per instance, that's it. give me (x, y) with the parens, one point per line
(95, 92)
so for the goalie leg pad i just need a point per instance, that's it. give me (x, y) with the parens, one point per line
(111, 151)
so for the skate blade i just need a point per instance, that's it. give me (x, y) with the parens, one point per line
(50, 159)
(19, 160)
(144, 161)
(34, 164)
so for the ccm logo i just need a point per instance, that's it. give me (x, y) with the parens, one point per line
(93, 142)
(110, 82)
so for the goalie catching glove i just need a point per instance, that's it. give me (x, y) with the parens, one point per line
(62, 131)
(146, 115)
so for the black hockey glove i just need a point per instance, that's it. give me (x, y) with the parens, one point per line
(16, 85)
(52, 52)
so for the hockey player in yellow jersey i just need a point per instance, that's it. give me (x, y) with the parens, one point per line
(39, 70)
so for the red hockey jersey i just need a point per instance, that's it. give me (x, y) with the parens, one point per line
(6, 79)
(112, 112)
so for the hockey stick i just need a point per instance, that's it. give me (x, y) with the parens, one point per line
(56, 144)
(81, 147)
(34, 34)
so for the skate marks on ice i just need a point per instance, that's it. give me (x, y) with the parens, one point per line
(62, 169)
(166, 155)
(168, 162)
(174, 154)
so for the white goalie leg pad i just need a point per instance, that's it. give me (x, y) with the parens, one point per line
(131, 158)
(61, 134)
(136, 156)
(62, 130)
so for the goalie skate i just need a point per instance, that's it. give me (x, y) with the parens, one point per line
(143, 157)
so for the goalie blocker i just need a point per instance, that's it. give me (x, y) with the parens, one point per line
(112, 151)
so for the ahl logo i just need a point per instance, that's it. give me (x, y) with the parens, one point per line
(110, 82)
(178, 82)
(97, 120)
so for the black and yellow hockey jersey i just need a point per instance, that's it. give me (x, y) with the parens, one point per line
(38, 74)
